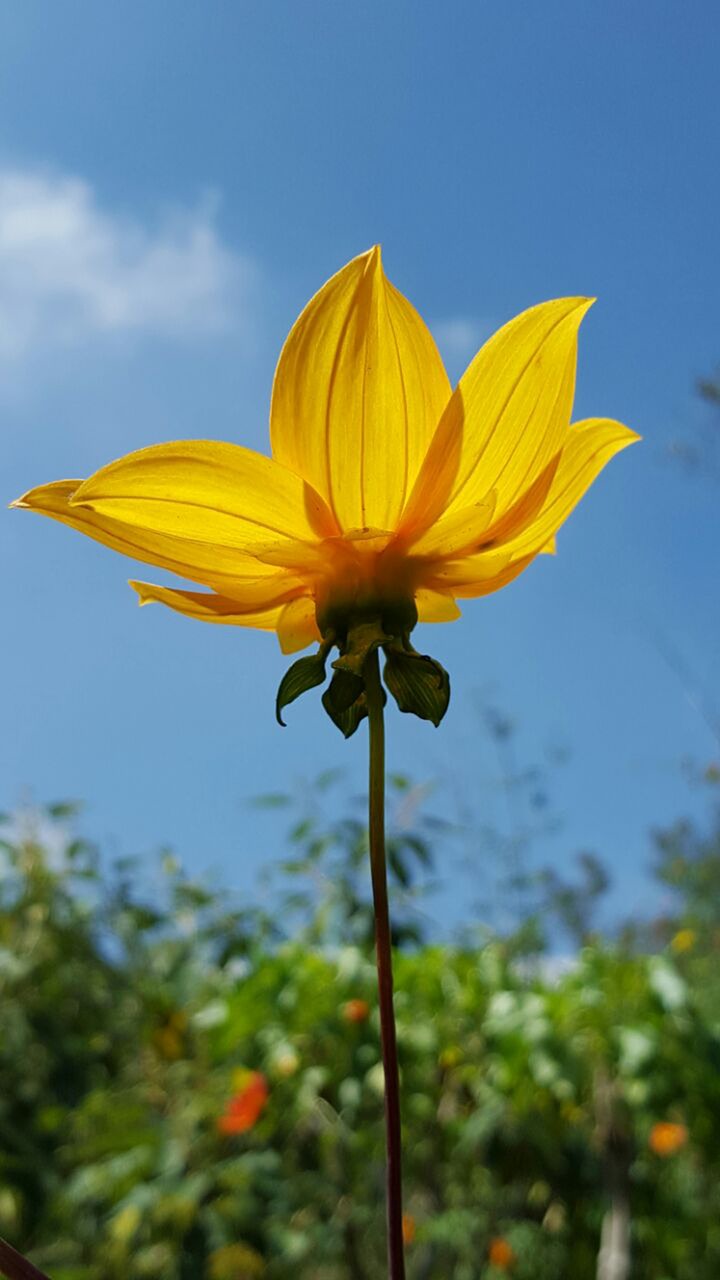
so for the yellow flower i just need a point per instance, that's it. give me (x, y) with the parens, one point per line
(683, 940)
(388, 494)
(235, 1262)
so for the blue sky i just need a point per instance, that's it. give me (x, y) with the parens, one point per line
(175, 182)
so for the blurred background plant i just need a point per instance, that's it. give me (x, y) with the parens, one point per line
(190, 1087)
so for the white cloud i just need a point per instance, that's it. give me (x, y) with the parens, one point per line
(71, 269)
(459, 338)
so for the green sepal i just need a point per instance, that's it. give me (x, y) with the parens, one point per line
(362, 639)
(417, 683)
(344, 689)
(345, 701)
(304, 674)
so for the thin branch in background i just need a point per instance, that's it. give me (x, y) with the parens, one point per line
(15, 1266)
(697, 697)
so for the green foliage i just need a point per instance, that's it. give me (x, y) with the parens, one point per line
(322, 888)
(125, 1019)
(699, 452)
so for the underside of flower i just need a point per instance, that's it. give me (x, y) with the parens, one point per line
(365, 575)
(364, 598)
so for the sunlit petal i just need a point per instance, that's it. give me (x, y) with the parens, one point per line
(507, 418)
(454, 533)
(526, 506)
(210, 492)
(590, 446)
(296, 626)
(435, 606)
(485, 586)
(358, 392)
(483, 566)
(225, 569)
(208, 607)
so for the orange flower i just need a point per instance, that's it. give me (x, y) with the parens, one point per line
(356, 1011)
(666, 1138)
(244, 1108)
(501, 1254)
(408, 1228)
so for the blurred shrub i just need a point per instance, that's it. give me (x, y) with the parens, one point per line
(187, 1092)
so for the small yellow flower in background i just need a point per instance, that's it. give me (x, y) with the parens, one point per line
(285, 1062)
(683, 940)
(235, 1262)
(124, 1223)
(667, 1138)
(389, 496)
(450, 1057)
(169, 1039)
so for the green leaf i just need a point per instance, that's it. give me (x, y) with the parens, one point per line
(304, 674)
(417, 683)
(271, 800)
(63, 809)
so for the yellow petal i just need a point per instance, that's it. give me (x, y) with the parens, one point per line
(478, 568)
(507, 418)
(223, 568)
(526, 507)
(435, 606)
(296, 626)
(207, 607)
(487, 585)
(454, 533)
(358, 393)
(294, 622)
(591, 444)
(210, 492)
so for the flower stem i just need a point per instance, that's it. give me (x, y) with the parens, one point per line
(15, 1266)
(383, 951)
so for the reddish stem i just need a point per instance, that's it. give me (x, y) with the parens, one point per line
(383, 950)
(15, 1266)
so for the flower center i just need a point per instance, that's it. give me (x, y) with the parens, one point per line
(365, 577)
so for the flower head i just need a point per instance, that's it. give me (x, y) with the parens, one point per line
(356, 1010)
(388, 497)
(246, 1105)
(501, 1254)
(683, 940)
(667, 1138)
(235, 1262)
